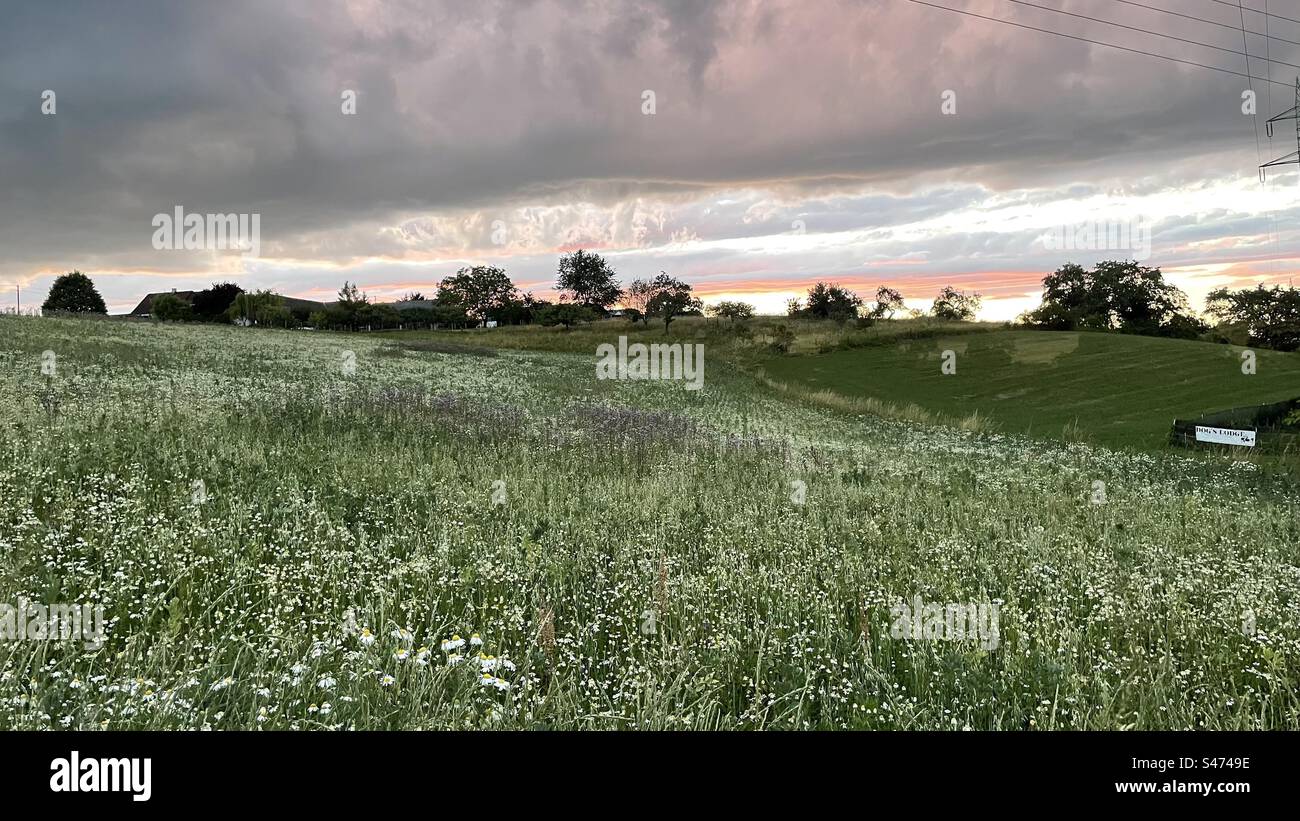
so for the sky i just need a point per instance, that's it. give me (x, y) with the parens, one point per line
(749, 148)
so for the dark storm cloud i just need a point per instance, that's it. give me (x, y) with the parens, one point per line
(475, 106)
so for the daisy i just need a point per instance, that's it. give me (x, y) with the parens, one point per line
(453, 643)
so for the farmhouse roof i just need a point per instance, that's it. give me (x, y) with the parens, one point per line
(145, 308)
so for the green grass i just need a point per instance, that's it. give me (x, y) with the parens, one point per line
(722, 336)
(1108, 388)
(637, 551)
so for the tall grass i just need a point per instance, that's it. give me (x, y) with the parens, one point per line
(630, 555)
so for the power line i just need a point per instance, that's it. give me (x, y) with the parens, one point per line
(1250, 84)
(1263, 33)
(1088, 40)
(1263, 183)
(1268, 68)
(1145, 31)
(1257, 11)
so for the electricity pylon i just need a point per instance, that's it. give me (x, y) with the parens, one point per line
(1292, 113)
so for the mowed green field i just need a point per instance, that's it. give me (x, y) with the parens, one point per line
(1115, 389)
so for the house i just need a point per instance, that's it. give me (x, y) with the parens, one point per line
(145, 308)
(302, 308)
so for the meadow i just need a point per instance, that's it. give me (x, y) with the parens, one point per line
(1111, 389)
(467, 531)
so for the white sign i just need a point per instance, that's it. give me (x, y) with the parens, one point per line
(1226, 436)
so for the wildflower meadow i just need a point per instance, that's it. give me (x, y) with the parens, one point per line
(298, 530)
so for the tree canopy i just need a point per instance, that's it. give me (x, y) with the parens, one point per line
(260, 308)
(567, 314)
(1114, 295)
(636, 299)
(1270, 317)
(671, 299)
(482, 290)
(588, 279)
(170, 308)
(955, 305)
(830, 301)
(732, 310)
(74, 293)
(211, 304)
(888, 301)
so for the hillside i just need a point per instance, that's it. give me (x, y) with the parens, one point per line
(1109, 388)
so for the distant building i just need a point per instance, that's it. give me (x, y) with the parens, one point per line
(299, 307)
(145, 309)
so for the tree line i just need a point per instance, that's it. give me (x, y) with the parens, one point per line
(1117, 296)
(831, 301)
(586, 283)
(1125, 297)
